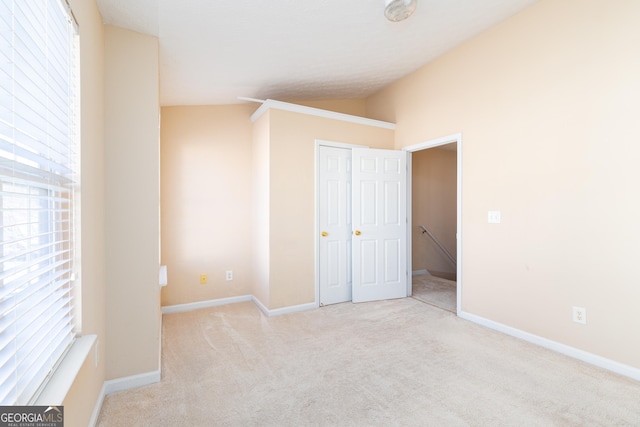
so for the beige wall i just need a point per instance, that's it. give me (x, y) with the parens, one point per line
(240, 195)
(120, 177)
(292, 197)
(206, 201)
(548, 104)
(132, 205)
(81, 399)
(434, 205)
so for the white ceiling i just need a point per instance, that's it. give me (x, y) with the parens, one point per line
(213, 51)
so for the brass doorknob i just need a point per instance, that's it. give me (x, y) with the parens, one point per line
(358, 232)
(325, 234)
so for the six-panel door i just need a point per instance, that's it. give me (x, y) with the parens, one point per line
(379, 225)
(334, 221)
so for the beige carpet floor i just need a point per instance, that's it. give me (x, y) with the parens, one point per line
(436, 291)
(388, 363)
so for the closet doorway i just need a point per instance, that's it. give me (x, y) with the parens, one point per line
(362, 224)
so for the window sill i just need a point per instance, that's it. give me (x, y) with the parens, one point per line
(60, 383)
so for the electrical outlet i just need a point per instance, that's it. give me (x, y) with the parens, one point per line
(229, 275)
(580, 315)
(203, 279)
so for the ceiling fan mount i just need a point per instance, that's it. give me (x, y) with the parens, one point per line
(399, 10)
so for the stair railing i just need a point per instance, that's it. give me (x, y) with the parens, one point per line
(437, 242)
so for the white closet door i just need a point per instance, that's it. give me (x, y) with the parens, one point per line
(379, 251)
(334, 221)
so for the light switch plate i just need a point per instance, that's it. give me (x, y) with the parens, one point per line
(494, 217)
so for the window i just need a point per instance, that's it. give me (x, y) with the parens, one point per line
(38, 189)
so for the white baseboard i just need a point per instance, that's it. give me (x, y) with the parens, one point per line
(120, 384)
(593, 359)
(283, 310)
(263, 308)
(419, 272)
(232, 300)
(204, 304)
(97, 407)
(292, 309)
(126, 383)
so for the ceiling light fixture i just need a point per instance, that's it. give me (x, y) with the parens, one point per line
(399, 10)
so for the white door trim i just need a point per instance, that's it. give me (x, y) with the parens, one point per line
(318, 144)
(431, 144)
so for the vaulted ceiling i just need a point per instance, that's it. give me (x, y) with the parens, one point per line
(213, 51)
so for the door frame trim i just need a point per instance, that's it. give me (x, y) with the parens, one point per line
(457, 138)
(322, 143)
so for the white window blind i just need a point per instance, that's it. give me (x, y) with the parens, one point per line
(38, 184)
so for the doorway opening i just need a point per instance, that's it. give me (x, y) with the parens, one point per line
(434, 207)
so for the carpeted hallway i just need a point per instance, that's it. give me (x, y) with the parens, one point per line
(387, 363)
(435, 291)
